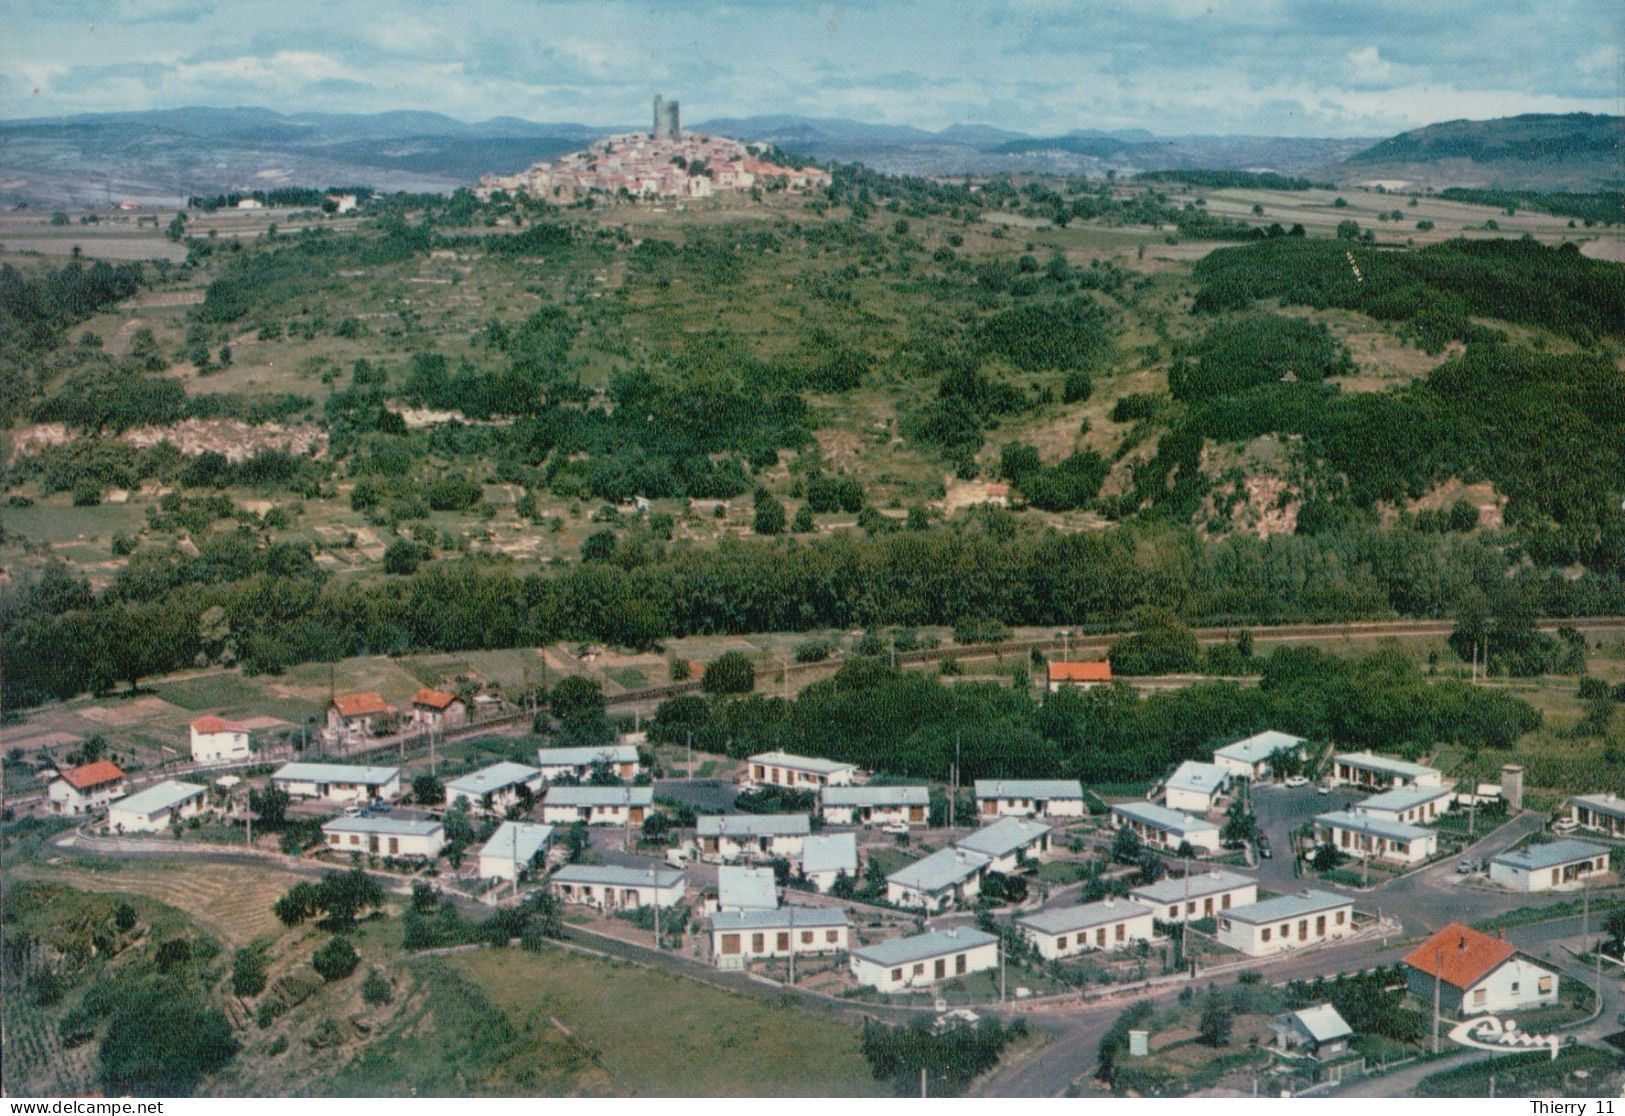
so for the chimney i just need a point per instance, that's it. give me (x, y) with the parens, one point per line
(1501, 931)
(1461, 946)
(1110, 901)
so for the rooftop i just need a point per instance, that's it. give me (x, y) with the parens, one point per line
(357, 774)
(1283, 907)
(518, 840)
(600, 796)
(1377, 827)
(753, 825)
(1322, 1023)
(615, 875)
(1198, 778)
(1602, 803)
(942, 869)
(1193, 886)
(1029, 788)
(1067, 919)
(1387, 764)
(1532, 858)
(1260, 747)
(95, 774)
(783, 918)
(1405, 798)
(1459, 955)
(830, 852)
(877, 796)
(1161, 817)
(1004, 836)
(389, 827)
(575, 757)
(163, 796)
(212, 724)
(1084, 671)
(746, 887)
(499, 776)
(434, 699)
(803, 763)
(922, 947)
(364, 704)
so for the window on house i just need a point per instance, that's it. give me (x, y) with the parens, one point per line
(959, 965)
(1264, 935)
(831, 936)
(1060, 942)
(1514, 986)
(1545, 985)
(1340, 916)
(1121, 929)
(1480, 995)
(806, 937)
(897, 974)
(919, 968)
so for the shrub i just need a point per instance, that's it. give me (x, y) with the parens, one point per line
(732, 672)
(376, 989)
(335, 960)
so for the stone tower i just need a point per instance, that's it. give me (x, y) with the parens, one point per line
(1512, 786)
(665, 119)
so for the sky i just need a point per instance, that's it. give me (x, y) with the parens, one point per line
(1260, 67)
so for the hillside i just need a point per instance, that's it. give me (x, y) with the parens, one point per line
(1533, 151)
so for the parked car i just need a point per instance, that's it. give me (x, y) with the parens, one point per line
(1464, 868)
(381, 807)
(1565, 826)
(354, 811)
(899, 828)
(1264, 850)
(1324, 788)
(1296, 781)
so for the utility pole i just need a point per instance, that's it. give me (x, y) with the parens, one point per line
(515, 861)
(657, 920)
(792, 949)
(922, 1082)
(691, 755)
(1001, 970)
(1438, 972)
(1585, 911)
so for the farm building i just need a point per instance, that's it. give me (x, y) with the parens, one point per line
(1250, 758)
(1473, 973)
(1558, 866)
(438, 710)
(338, 782)
(1411, 805)
(1199, 895)
(746, 889)
(1363, 769)
(1162, 828)
(1361, 835)
(1286, 922)
(781, 769)
(524, 844)
(920, 961)
(938, 881)
(1108, 924)
(610, 887)
(1602, 812)
(217, 740)
(1027, 798)
(153, 809)
(1317, 1031)
(597, 805)
(1008, 842)
(620, 760)
(876, 805)
(739, 937)
(86, 788)
(1196, 787)
(1083, 675)
(824, 856)
(414, 837)
(497, 787)
(728, 837)
(351, 718)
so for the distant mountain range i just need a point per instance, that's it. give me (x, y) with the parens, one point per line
(162, 155)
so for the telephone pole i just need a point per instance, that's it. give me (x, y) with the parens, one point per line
(1438, 972)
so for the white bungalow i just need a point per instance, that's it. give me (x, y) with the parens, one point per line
(938, 881)
(1412, 805)
(1250, 758)
(1195, 787)
(728, 837)
(746, 889)
(338, 782)
(1008, 842)
(579, 763)
(824, 856)
(515, 848)
(1558, 866)
(597, 805)
(902, 964)
(1364, 835)
(1363, 769)
(610, 887)
(876, 805)
(1604, 813)
(1286, 922)
(781, 769)
(1198, 895)
(154, 809)
(495, 788)
(1026, 798)
(1108, 924)
(739, 937)
(413, 837)
(1162, 828)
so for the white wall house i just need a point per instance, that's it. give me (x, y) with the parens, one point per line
(597, 805)
(86, 788)
(1080, 675)
(1026, 798)
(1412, 805)
(1008, 841)
(1363, 769)
(559, 763)
(904, 964)
(939, 881)
(516, 847)
(338, 782)
(1363, 835)
(1195, 787)
(781, 769)
(1162, 828)
(730, 837)
(352, 718)
(1558, 866)
(610, 887)
(153, 809)
(1602, 812)
(739, 937)
(495, 788)
(217, 740)
(824, 856)
(876, 805)
(1109, 924)
(1250, 758)
(1286, 922)
(746, 889)
(1474, 973)
(407, 837)
(1199, 895)
(438, 710)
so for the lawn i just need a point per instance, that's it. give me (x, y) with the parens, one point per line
(1529, 1075)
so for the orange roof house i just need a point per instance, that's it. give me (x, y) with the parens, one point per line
(213, 724)
(1080, 672)
(1459, 955)
(434, 699)
(367, 704)
(86, 776)
(1472, 973)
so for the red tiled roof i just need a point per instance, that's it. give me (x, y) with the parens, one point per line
(1081, 672)
(360, 705)
(93, 774)
(434, 699)
(1459, 955)
(217, 724)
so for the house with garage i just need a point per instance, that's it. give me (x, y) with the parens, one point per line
(730, 837)
(338, 782)
(1162, 828)
(746, 889)
(1604, 813)
(217, 740)
(1195, 787)
(1198, 895)
(611, 887)
(824, 856)
(1008, 843)
(157, 808)
(1556, 866)
(904, 964)
(1363, 769)
(1029, 798)
(809, 773)
(352, 718)
(876, 805)
(1286, 922)
(597, 805)
(1411, 805)
(495, 788)
(1318, 1031)
(515, 848)
(438, 710)
(620, 760)
(1079, 675)
(938, 882)
(1365, 835)
(1108, 924)
(86, 788)
(1250, 758)
(421, 838)
(1473, 973)
(741, 936)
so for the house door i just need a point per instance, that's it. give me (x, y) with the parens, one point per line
(959, 965)
(1320, 927)
(710, 844)
(784, 942)
(916, 813)
(941, 967)
(758, 943)
(730, 944)
(394, 845)
(1207, 908)
(372, 842)
(637, 813)
(1100, 938)
(1303, 930)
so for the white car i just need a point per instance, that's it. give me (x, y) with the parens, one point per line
(1324, 788)
(898, 828)
(1296, 781)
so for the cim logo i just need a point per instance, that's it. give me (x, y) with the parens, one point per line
(1489, 1033)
